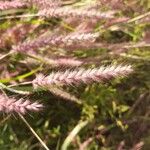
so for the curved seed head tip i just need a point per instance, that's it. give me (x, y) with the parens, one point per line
(22, 106)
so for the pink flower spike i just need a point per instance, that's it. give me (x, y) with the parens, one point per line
(10, 105)
(82, 76)
(4, 5)
(76, 13)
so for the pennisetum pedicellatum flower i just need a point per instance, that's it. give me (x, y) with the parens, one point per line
(75, 13)
(55, 40)
(4, 5)
(10, 105)
(82, 76)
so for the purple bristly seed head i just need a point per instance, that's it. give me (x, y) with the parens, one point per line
(77, 13)
(82, 76)
(10, 105)
(4, 5)
(54, 40)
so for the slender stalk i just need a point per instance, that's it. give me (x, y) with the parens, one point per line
(6, 55)
(13, 90)
(73, 134)
(19, 16)
(34, 133)
(5, 119)
(139, 17)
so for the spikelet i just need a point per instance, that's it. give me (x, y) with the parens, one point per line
(82, 76)
(10, 105)
(76, 13)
